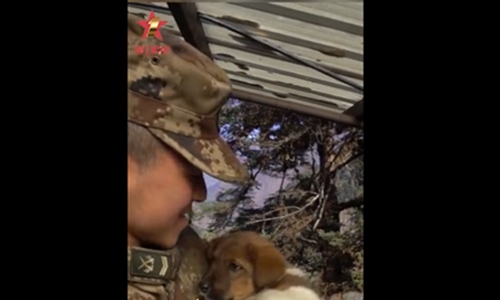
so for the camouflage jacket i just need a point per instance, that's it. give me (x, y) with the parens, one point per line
(167, 275)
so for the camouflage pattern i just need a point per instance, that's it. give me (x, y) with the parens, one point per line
(177, 95)
(193, 265)
(186, 266)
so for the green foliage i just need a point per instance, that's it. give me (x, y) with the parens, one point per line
(349, 244)
(317, 174)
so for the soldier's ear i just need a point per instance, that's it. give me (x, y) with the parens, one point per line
(269, 265)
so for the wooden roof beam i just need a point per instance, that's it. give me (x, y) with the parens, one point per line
(356, 111)
(187, 19)
(341, 119)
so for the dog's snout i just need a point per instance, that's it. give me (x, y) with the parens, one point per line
(204, 286)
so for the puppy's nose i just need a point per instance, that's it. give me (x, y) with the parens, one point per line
(204, 287)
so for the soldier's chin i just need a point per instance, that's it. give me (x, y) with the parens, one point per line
(168, 239)
(183, 223)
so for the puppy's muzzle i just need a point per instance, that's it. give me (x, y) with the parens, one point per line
(211, 292)
(204, 287)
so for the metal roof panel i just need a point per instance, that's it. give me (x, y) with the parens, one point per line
(328, 34)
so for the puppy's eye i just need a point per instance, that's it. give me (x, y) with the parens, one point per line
(234, 267)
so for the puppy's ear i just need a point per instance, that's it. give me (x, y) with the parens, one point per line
(212, 247)
(268, 263)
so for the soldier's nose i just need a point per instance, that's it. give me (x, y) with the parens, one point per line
(204, 287)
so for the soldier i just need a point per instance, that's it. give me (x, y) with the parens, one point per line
(173, 99)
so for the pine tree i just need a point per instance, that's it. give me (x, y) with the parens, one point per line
(316, 217)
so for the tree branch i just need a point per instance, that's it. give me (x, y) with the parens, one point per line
(353, 203)
(311, 201)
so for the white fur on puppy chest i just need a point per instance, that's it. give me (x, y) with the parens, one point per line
(295, 272)
(291, 293)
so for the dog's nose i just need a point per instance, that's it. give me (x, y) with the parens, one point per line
(204, 286)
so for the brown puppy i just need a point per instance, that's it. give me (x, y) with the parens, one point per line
(243, 266)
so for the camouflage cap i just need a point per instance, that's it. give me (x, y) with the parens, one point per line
(177, 93)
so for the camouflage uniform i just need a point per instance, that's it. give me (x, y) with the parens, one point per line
(176, 95)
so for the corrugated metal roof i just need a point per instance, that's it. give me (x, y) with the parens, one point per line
(328, 34)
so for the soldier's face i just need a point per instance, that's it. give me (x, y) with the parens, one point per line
(159, 198)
